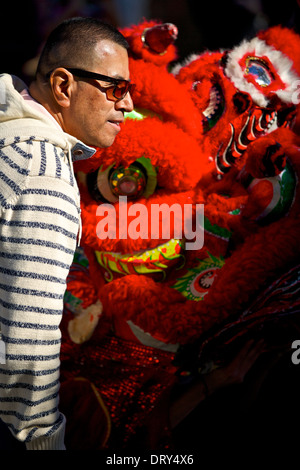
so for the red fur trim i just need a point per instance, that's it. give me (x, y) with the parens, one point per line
(164, 143)
(284, 40)
(138, 49)
(254, 156)
(160, 311)
(159, 91)
(176, 144)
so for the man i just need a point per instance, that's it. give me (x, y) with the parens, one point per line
(76, 102)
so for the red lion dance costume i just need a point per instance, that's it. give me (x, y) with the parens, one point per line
(215, 133)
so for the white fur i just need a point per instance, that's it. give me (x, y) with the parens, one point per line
(176, 69)
(282, 64)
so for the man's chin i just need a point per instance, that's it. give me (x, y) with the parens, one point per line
(101, 143)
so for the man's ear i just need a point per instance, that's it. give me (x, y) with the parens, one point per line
(61, 84)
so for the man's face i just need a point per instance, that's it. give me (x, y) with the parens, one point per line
(92, 117)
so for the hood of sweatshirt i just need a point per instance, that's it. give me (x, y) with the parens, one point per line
(19, 118)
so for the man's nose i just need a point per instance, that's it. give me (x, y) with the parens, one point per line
(125, 103)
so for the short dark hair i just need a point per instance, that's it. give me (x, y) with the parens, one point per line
(72, 43)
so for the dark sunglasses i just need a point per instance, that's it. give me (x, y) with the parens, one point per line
(116, 92)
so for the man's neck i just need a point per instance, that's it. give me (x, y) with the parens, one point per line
(42, 95)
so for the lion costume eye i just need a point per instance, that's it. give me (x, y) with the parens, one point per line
(130, 182)
(135, 181)
(262, 71)
(258, 70)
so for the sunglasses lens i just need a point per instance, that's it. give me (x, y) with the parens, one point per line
(121, 89)
(110, 93)
(118, 91)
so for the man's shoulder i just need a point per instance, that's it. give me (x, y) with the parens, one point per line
(27, 157)
(23, 152)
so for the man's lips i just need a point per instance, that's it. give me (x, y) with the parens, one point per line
(116, 123)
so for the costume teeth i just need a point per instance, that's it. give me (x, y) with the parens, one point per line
(214, 101)
(259, 123)
(240, 143)
(251, 135)
(226, 152)
(254, 127)
(235, 152)
(272, 119)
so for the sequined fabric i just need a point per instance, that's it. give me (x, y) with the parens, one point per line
(132, 379)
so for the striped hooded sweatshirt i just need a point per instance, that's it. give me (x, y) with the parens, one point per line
(39, 221)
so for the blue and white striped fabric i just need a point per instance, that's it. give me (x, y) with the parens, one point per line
(39, 219)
